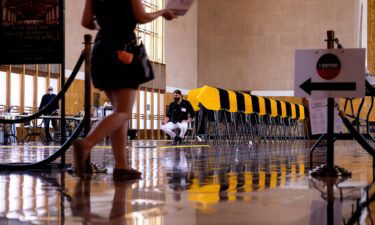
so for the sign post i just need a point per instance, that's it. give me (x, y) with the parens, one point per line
(329, 73)
(333, 69)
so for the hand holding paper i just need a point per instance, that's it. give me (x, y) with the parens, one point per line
(179, 7)
(169, 14)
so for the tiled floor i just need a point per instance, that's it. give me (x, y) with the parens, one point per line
(266, 184)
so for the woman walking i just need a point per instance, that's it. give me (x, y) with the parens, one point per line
(116, 21)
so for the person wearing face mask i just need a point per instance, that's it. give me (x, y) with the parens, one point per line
(180, 113)
(47, 98)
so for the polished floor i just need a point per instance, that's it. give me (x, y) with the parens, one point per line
(192, 185)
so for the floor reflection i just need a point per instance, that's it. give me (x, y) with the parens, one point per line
(30, 197)
(81, 203)
(267, 184)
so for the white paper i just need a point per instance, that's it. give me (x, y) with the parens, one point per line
(180, 7)
(318, 117)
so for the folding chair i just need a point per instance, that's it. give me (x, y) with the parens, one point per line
(253, 118)
(287, 121)
(249, 122)
(301, 122)
(33, 129)
(192, 98)
(273, 120)
(263, 119)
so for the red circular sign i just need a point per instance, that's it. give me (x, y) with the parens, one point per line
(328, 66)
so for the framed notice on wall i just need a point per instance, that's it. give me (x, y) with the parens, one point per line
(31, 32)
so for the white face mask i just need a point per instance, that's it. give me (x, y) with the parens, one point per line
(50, 92)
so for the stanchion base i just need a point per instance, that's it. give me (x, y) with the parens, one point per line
(325, 171)
(94, 169)
(97, 169)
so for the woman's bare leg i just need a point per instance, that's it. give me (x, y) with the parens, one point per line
(119, 143)
(123, 100)
(119, 140)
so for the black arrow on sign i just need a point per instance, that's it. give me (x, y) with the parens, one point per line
(309, 86)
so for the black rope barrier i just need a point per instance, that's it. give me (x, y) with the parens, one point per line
(358, 212)
(354, 117)
(370, 88)
(359, 137)
(359, 113)
(355, 132)
(368, 115)
(22, 166)
(41, 164)
(62, 92)
(357, 119)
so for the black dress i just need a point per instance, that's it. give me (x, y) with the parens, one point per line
(117, 24)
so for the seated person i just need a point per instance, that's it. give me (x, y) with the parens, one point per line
(107, 108)
(179, 114)
(107, 104)
(53, 111)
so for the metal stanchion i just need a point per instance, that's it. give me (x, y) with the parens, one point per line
(90, 167)
(87, 116)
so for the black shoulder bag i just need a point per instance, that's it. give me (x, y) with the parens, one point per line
(140, 66)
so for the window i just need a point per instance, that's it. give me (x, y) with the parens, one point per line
(151, 34)
(29, 89)
(54, 83)
(3, 87)
(15, 95)
(41, 89)
(141, 110)
(15, 98)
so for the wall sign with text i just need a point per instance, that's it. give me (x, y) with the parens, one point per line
(31, 31)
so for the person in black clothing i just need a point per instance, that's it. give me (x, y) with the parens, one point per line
(116, 21)
(45, 100)
(179, 115)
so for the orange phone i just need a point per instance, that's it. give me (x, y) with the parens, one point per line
(124, 56)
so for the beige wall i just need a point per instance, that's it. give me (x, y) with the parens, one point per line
(74, 32)
(247, 44)
(181, 53)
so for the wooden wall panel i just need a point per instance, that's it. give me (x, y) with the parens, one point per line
(364, 111)
(168, 98)
(75, 97)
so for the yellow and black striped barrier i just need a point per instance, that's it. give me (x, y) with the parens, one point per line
(219, 99)
(266, 116)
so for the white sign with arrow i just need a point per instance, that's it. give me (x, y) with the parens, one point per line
(323, 73)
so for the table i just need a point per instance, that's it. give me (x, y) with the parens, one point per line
(13, 131)
(72, 124)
